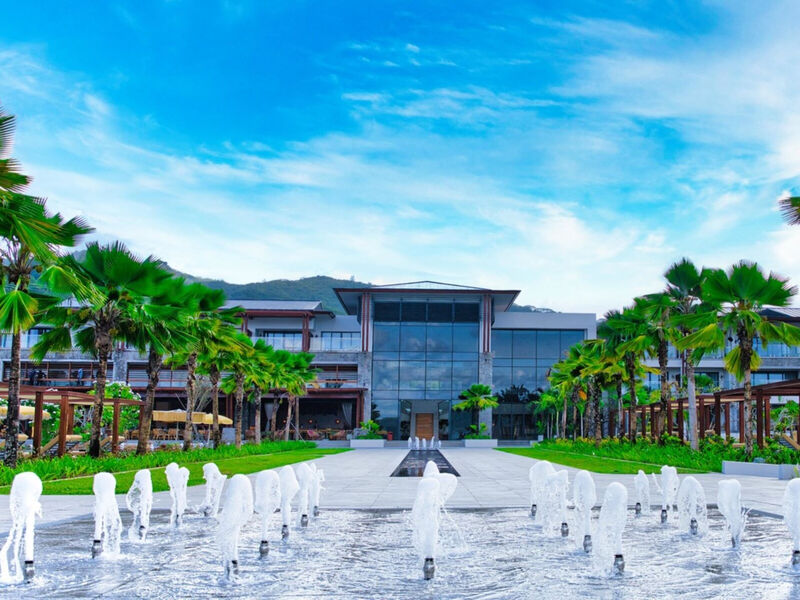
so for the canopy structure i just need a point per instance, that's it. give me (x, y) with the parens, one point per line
(67, 399)
(26, 413)
(716, 408)
(198, 418)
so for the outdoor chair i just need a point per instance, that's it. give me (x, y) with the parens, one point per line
(313, 435)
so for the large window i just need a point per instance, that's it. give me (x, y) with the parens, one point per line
(523, 357)
(337, 340)
(282, 340)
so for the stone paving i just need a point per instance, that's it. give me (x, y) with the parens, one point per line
(360, 479)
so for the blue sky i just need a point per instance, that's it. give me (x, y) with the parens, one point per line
(569, 149)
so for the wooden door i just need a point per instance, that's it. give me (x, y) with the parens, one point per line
(424, 426)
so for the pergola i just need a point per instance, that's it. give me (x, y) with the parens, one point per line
(716, 405)
(67, 399)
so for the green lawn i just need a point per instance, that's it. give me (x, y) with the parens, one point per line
(228, 466)
(596, 464)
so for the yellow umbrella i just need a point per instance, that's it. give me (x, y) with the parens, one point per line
(25, 413)
(179, 416)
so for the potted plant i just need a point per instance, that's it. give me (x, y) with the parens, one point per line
(477, 398)
(368, 436)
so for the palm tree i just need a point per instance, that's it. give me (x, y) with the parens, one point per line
(266, 371)
(204, 321)
(298, 376)
(239, 362)
(684, 287)
(157, 327)
(790, 207)
(113, 285)
(737, 297)
(32, 237)
(623, 332)
(476, 398)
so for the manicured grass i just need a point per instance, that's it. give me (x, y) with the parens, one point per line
(596, 464)
(228, 466)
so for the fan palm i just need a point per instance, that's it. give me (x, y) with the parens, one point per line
(113, 286)
(298, 375)
(238, 361)
(737, 296)
(476, 398)
(790, 207)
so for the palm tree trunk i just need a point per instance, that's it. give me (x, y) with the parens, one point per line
(598, 417)
(691, 394)
(216, 435)
(620, 413)
(288, 419)
(663, 359)
(237, 411)
(12, 418)
(746, 353)
(257, 402)
(103, 344)
(631, 368)
(273, 420)
(146, 413)
(564, 419)
(191, 366)
(574, 414)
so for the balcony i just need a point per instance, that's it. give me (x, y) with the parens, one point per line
(335, 344)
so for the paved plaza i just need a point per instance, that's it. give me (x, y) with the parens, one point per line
(360, 479)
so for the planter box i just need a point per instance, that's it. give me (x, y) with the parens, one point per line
(367, 443)
(480, 443)
(730, 467)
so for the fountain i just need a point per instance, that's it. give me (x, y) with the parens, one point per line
(425, 518)
(424, 445)
(642, 493)
(668, 489)
(178, 479)
(554, 502)
(692, 511)
(584, 497)
(729, 501)
(215, 481)
(791, 516)
(305, 478)
(431, 470)
(316, 488)
(23, 503)
(236, 511)
(610, 526)
(289, 488)
(139, 500)
(107, 522)
(268, 498)
(537, 475)
(410, 443)
(416, 443)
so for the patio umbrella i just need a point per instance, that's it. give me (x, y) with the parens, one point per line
(25, 413)
(198, 418)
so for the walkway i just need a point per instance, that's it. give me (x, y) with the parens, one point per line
(360, 479)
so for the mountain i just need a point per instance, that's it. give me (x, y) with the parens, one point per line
(319, 287)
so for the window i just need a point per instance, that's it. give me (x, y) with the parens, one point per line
(386, 338)
(501, 343)
(440, 312)
(412, 375)
(412, 338)
(440, 338)
(385, 374)
(414, 312)
(465, 338)
(387, 311)
(338, 340)
(282, 340)
(466, 313)
(524, 344)
(548, 344)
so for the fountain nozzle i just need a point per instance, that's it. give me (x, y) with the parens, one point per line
(734, 543)
(316, 511)
(97, 548)
(796, 558)
(564, 529)
(619, 564)
(178, 519)
(235, 567)
(533, 510)
(285, 531)
(29, 571)
(263, 548)
(142, 531)
(587, 543)
(638, 509)
(303, 520)
(663, 515)
(428, 569)
(693, 526)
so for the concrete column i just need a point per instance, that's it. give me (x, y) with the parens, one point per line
(485, 377)
(365, 381)
(120, 357)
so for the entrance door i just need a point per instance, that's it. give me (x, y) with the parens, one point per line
(424, 425)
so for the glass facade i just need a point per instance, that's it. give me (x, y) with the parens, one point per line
(423, 351)
(522, 357)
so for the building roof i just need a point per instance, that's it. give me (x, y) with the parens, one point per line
(349, 297)
(294, 305)
(782, 314)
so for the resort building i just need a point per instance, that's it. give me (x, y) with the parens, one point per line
(400, 354)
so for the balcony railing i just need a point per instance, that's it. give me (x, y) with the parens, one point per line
(324, 344)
